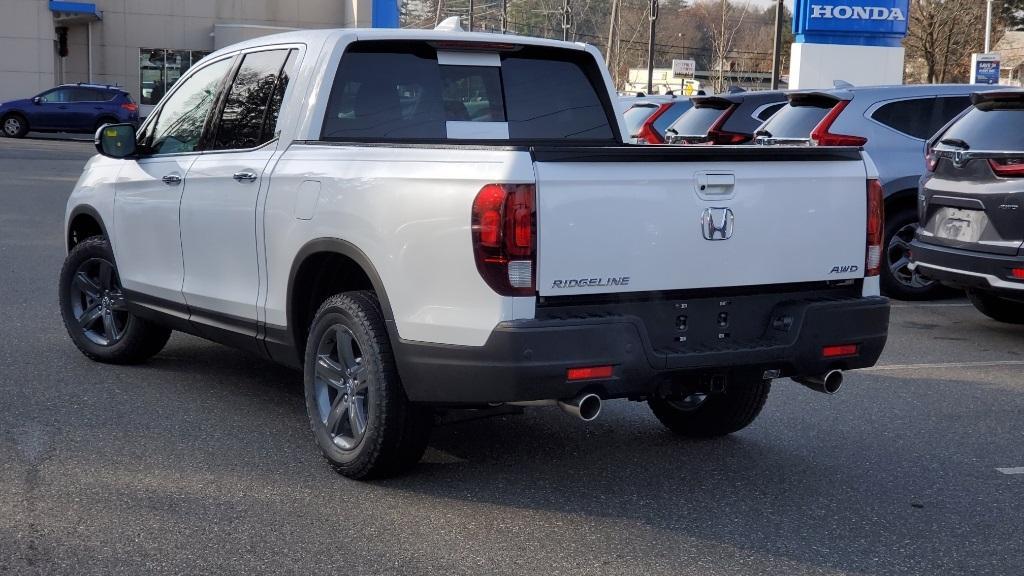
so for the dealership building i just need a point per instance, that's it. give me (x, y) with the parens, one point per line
(145, 45)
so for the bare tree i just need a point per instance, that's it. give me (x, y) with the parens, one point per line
(941, 36)
(721, 20)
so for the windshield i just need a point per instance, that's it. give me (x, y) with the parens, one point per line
(695, 121)
(796, 119)
(636, 115)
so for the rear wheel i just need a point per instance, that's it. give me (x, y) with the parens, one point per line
(14, 125)
(698, 414)
(997, 307)
(95, 311)
(361, 419)
(897, 279)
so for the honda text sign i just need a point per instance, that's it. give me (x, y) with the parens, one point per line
(862, 22)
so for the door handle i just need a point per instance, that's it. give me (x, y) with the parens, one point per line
(245, 176)
(172, 179)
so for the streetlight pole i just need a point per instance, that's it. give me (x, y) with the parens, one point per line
(777, 46)
(566, 19)
(650, 47)
(988, 26)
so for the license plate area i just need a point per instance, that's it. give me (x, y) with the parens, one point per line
(959, 224)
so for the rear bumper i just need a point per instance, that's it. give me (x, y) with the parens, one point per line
(966, 268)
(528, 360)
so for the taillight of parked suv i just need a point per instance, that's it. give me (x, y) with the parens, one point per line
(703, 124)
(823, 136)
(647, 134)
(504, 225)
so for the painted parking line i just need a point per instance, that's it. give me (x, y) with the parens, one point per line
(1016, 470)
(939, 365)
(934, 305)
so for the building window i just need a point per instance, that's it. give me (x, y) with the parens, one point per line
(160, 68)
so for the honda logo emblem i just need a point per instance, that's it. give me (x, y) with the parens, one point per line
(717, 223)
(958, 159)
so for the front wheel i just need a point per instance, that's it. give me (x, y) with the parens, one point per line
(14, 126)
(706, 415)
(997, 307)
(95, 311)
(361, 419)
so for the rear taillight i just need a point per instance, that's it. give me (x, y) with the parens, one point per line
(723, 137)
(1007, 167)
(647, 133)
(130, 106)
(821, 136)
(875, 229)
(504, 225)
(931, 160)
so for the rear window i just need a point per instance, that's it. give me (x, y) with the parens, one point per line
(797, 119)
(696, 121)
(671, 115)
(386, 90)
(990, 129)
(636, 116)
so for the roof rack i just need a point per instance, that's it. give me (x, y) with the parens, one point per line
(94, 85)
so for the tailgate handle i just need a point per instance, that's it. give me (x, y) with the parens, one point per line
(715, 183)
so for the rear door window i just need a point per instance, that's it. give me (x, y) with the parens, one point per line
(990, 128)
(912, 117)
(245, 111)
(797, 119)
(389, 90)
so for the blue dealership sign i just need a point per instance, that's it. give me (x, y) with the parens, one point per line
(857, 22)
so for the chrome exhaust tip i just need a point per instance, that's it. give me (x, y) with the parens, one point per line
(586, 407)
(827, 383)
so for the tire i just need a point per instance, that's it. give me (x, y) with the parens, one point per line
(360, 417)
(997, 307)
(713, 414)
(14, 126)
(897, 280)
(89, 287)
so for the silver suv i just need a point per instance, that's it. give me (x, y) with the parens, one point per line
(892, 123)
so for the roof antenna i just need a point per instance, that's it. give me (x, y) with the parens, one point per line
(450, 24)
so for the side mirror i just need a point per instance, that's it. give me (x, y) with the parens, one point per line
(37, 100)
(115, 140)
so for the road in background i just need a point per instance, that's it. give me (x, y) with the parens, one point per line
(201, 461)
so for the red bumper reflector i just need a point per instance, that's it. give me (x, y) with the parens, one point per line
(839, 351)
(1017, 273)
(588, 373)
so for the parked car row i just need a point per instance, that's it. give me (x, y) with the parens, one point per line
(891, 123)
(73, 108)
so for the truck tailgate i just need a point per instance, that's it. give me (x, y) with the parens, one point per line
(629, 219)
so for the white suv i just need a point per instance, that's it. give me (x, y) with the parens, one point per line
(422, 218)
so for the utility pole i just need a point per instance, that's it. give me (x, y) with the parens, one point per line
(504, 16)
(437, 17)
(470, 15)
(650, 47)
(610, 61)
(566, 19)
(988, 26)
(777, 46)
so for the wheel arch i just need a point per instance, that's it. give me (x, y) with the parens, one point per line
(322, 268)
(84, 221)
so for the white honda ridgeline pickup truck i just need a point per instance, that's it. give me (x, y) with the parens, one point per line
(422, 219)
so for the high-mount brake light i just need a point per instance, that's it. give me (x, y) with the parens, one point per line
(723, 137)
(1007, 167)
(474, 46)
(875, 228)
(504, 228)
(821, 136)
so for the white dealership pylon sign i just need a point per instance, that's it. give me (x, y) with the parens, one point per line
(857, 41)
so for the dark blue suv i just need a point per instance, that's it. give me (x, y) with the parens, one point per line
(69, 108)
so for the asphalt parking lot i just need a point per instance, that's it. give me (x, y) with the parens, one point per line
(201, 461)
